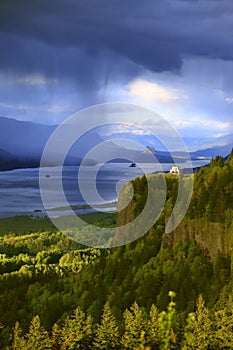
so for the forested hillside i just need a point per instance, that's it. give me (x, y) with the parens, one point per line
(145, 294)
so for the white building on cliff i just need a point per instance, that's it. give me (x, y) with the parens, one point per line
(175, 170)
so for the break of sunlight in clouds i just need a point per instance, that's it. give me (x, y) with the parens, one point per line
(210, 124)
(60, 108)
(229, 100)
(140, 132)
(158, 127)
(123, 129)
(152, 92)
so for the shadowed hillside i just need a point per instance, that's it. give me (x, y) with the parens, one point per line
(45, 274)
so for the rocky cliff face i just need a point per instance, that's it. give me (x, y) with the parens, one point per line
(210, 236)
(215, 237)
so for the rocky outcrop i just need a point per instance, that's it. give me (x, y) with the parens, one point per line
(214, 237)
(210, 236)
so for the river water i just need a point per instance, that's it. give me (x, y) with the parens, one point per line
(20, 192)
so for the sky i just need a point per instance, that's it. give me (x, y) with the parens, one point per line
(172, 56)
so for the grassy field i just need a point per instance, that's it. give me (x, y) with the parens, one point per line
(27, 224)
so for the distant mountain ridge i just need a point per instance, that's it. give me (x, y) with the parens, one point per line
(197, 147)
(23, 138)
(221, 146)
(6, 159)
(9, 161)
(218, 142)
(22, 144)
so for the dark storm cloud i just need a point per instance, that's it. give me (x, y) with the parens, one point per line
(90, 40)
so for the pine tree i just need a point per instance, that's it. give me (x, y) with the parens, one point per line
(199, 330)
(135, 327)
(18, 342)
(223, 327)
(153, 327)
(77, 331)
(107, 334)
(56, 337)
(38, 337)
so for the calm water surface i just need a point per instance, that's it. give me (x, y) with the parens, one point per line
(20, 193)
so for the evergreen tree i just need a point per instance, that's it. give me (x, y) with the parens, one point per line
(38, 337)
(56, 337)
(223, 327)
(107, 333)
(198, 332)
(135, 327)
(18, 342)
(153, 327)
(77, 331)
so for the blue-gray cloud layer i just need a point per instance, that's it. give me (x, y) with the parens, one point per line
(67, 37)
(79, 46)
